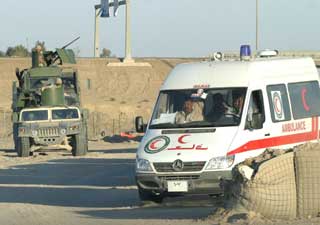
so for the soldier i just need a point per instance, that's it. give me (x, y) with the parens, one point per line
(58, 81)
(40, 56)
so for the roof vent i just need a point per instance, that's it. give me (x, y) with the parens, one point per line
(268, 53)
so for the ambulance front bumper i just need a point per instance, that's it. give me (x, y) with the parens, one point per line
(200, 183)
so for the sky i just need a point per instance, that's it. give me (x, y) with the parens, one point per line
(164, 28)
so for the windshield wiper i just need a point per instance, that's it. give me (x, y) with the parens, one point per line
(163, 126)
(195, 124)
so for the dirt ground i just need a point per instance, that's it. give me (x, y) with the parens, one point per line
(99, 188)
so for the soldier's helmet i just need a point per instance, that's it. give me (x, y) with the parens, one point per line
(58, 81)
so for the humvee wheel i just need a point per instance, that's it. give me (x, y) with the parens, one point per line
(79, 145)
(23, 147)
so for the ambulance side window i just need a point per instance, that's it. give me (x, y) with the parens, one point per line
(279, 103)
(256, 115)
(305, 99)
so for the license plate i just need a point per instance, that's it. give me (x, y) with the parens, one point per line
(178, 186)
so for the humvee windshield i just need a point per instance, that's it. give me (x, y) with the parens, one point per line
(37, 115)
(61, 114)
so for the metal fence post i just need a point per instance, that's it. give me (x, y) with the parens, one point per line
(119, 123)
(112, 127)
(4, 123)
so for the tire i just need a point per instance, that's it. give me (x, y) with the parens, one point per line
(15, 136)
(79, 144)
(147, 196)
(23, 147)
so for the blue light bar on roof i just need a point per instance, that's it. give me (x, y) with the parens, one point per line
(245, 51)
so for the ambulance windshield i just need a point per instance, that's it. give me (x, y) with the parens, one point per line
(198, 108)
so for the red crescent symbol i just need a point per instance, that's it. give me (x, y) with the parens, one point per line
(303, 97)
(152, 145)
(276, 105)
(180, 139)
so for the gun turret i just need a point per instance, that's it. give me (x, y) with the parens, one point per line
(62, 54)
(48, 58)
(70, 43)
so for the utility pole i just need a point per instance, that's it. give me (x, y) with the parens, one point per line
(96, 31)
(128, 58)
(257, 25)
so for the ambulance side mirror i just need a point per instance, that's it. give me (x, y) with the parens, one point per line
(140, 126)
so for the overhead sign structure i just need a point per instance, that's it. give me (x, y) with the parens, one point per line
(102, 10)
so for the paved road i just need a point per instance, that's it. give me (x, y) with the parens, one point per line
(96, 189)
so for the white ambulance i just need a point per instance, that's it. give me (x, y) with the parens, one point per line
(211, 115)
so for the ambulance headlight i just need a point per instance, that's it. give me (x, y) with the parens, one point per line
(222, 162)
(143, 165)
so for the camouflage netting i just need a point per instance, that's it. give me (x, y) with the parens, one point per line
(279, 184)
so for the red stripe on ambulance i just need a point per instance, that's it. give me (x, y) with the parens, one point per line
(281, 140)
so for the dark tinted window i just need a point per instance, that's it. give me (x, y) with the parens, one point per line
(68, 83)
(256, 115)
(305, 99)
(61, 114)
(35, 115)
(279, 103)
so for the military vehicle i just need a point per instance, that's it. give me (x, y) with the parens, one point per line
(47, 113)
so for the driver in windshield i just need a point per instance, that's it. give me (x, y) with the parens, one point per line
(238, 104)
(192, 111)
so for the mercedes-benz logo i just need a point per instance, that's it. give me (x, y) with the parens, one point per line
(177, 165)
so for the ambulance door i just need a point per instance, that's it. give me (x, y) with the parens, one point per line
(251, 138)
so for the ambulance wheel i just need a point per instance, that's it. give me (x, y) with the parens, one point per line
(23, 147)
(147, 196)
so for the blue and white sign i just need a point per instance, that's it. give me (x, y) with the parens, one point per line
(115, 7)
(105, 8)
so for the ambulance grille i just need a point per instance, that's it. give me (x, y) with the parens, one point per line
(48, 132)
(186, 177)
(187, 167)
